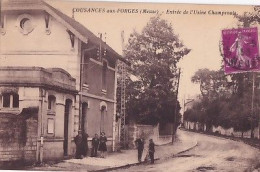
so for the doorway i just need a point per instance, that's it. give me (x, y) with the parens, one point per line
(67, 112)
(84, 116)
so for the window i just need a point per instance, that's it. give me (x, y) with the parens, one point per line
(84, 115)
(102, 120)
(25, 24)
(2, 24)
(51, 115)
(85, 70)
(51, 103)
(10, 100)
(104, 76)
(6, 100)
(15, 100)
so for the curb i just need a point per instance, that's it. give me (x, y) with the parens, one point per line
(145, 162)
(188, 148)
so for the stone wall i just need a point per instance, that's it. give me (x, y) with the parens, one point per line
(18, 138)
(146, 131)
(165, 129)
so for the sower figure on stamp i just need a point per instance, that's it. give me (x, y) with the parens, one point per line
(151, 150)
(140, 147)
(95, 143)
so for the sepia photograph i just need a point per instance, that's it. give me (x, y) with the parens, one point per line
(129, 86)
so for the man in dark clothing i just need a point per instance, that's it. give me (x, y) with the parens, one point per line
(84, 144)
(140, 147)
(151, 150)
(95, 143)
(78, 142)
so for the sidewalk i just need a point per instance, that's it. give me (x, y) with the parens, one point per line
(123, 158)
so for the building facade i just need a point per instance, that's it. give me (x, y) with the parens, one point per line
(56, 73)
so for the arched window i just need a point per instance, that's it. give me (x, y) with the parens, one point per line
(85, 69)
(84, 116)
(10, 100)
(51, 103)
(104, 76)
(103, 110)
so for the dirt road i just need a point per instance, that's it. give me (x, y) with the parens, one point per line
(211, 154)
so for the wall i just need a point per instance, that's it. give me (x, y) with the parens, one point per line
(166, 129)
(93, 118)
(218, 129)
(18, 138)
(94, 79)
(147, 132)
(53, 142)
(231, 131)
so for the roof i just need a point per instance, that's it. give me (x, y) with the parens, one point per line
(74, 26)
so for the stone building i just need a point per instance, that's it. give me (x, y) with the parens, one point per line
(56, 78)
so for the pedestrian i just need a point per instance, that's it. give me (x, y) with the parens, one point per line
(151, 150)
(84, 144)
(102, 144)
(140, 147)
(95, 143)
(78, 142)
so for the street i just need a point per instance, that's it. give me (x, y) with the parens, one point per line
(211, 154)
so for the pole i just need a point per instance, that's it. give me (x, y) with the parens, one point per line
(175, 111)
(122, 69)
(252, 107)
(43, 94)
(81, 90)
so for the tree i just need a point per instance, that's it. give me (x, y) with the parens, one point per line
(154, 54)
(213, 84)
(225, 103)
(250, 18)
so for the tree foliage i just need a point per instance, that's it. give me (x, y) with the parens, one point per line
(250, 18)
(225, 103)
(154, 54)
(213, 84)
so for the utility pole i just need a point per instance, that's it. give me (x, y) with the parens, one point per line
(175, 111)
(122, 71)
(252, 105)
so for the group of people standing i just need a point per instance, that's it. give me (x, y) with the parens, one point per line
(98, 143)
(140, 148)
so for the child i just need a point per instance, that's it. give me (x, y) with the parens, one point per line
(151, 150)
(95, 143)
(102, 144)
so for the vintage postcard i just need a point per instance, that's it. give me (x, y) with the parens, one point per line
(117, 86)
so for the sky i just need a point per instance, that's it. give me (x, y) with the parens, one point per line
(199, 32)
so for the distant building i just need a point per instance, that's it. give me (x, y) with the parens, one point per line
(53, 83)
